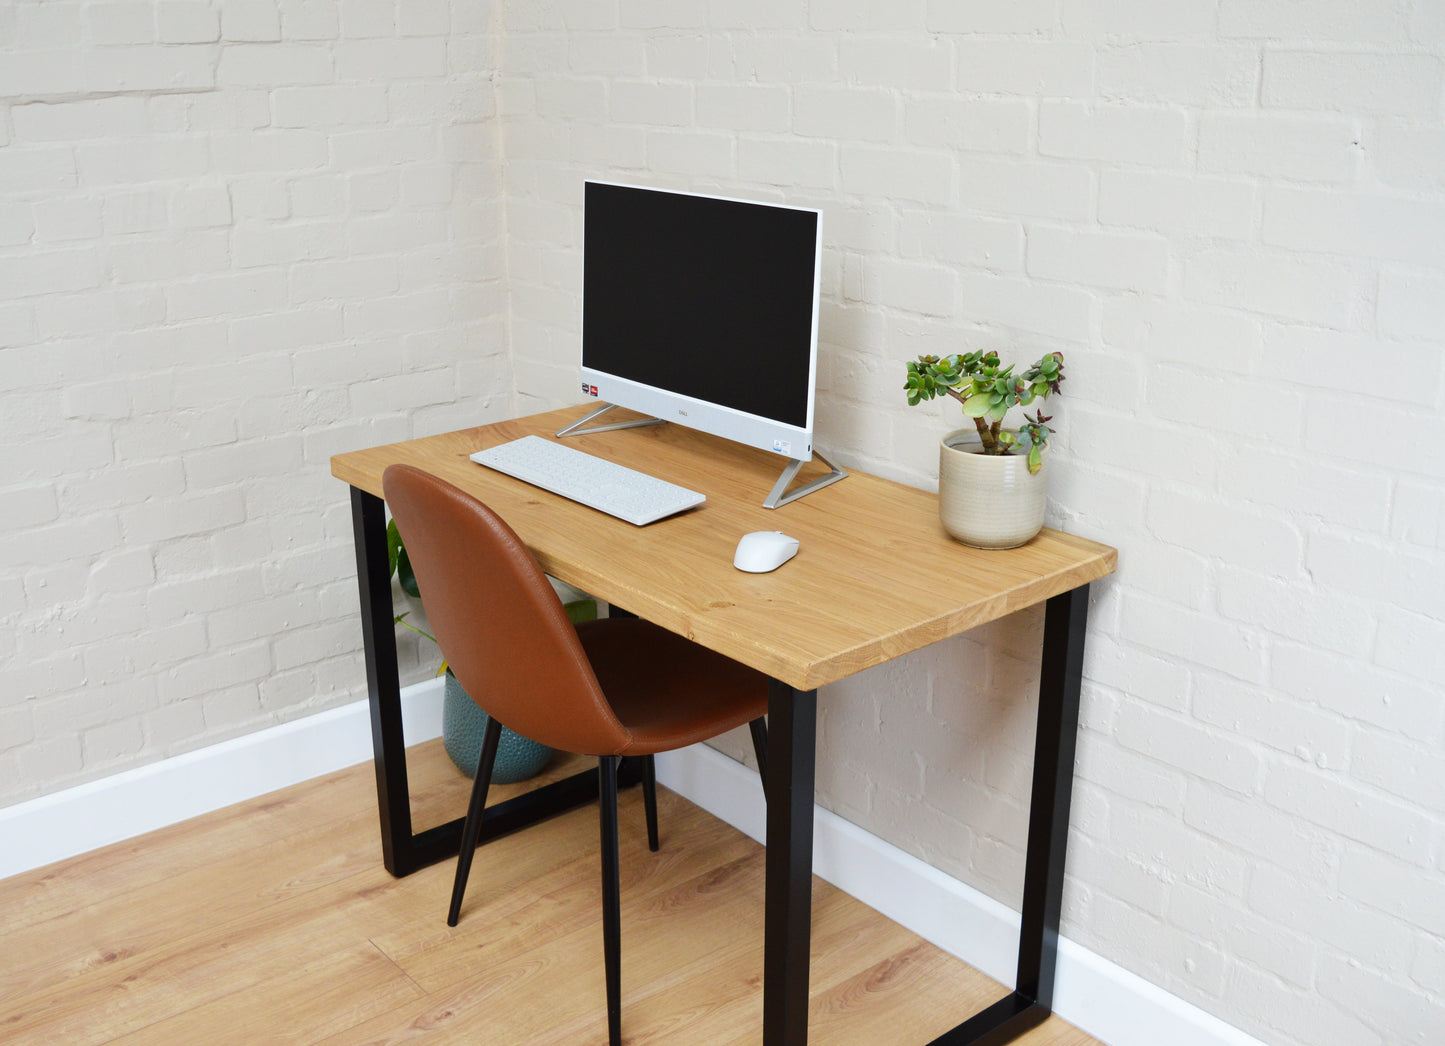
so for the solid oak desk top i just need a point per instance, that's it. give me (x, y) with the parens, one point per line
(875, 576)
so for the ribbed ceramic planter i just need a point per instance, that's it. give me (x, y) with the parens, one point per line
(463, 724)
(988, 501)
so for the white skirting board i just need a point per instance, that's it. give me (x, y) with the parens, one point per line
(131, 803)
(1103, 999)
(1098, 996)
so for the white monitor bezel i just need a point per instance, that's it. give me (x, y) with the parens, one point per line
(770, 434)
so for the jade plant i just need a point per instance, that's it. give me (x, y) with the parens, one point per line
(987, 391)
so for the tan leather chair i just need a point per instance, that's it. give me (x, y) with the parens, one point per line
(610, 688)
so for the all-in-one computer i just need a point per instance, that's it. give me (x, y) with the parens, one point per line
(703, 310)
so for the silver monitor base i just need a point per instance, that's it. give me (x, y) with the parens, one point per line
(576, 428)
(777, 497)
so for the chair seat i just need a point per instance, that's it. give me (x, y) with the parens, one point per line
(667, 691)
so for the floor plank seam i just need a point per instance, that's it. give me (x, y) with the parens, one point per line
(420, 991)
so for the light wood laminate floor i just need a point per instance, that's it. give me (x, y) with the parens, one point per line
(273, 922)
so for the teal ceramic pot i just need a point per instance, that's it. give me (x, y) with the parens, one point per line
(463, 724)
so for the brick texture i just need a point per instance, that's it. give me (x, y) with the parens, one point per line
(230, 245)
(1228, 216)
(239, 236)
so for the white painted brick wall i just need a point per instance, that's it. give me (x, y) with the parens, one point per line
(239, 236)
(1228, 216)
(231, 244)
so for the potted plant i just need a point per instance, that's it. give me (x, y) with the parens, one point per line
(992, 481)
(463, 721)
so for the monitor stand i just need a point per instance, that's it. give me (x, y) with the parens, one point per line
(777, 497)
(577, 429)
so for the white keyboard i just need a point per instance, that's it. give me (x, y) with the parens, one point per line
(615, 489)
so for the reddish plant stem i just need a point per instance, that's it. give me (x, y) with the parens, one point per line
(987, 434)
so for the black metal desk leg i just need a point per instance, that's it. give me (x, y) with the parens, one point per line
(368, 523)
(1060, 680)
(792, 726)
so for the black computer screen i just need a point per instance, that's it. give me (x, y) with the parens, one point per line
(709, 298)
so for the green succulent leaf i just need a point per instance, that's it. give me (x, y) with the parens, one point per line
(976, 406)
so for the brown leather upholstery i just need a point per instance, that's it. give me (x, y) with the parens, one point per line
(618, 686)
(668, 691)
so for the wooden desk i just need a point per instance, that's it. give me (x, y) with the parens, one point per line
(876, 577)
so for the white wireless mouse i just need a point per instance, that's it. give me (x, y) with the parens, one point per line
(764, 550)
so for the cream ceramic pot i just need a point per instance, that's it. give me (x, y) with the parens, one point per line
(988, 501)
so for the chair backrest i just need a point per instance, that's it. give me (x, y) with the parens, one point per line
(497, 618)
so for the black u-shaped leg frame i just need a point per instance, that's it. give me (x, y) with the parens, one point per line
(791, 735)
(1060, 681)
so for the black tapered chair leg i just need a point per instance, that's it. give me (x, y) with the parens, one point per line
(611, 897)
(473, 826)
(649, 799)
(759, 729)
